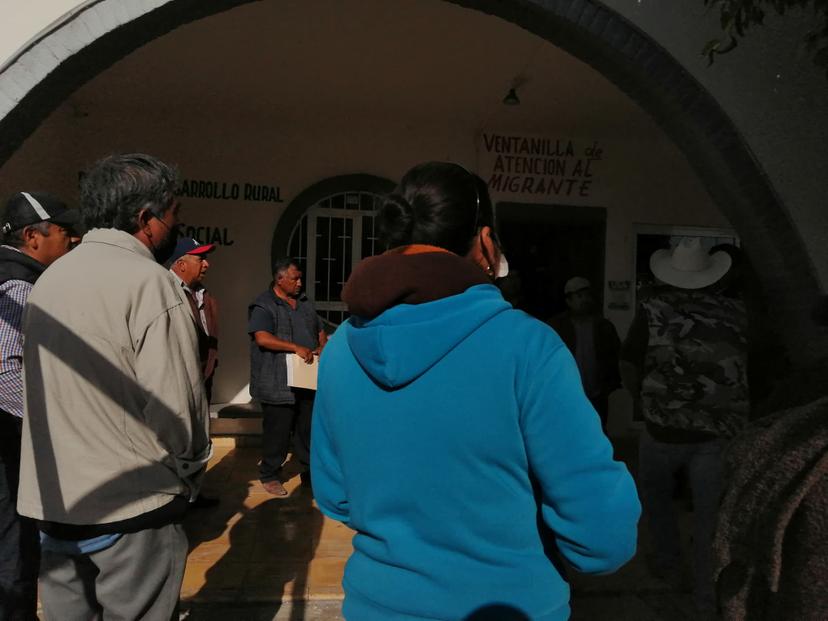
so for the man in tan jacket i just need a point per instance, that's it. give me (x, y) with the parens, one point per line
(115, 434)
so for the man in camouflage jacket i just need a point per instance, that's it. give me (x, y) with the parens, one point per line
(685, 357)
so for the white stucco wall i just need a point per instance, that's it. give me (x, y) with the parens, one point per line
(770, 88)
(22, 20)
(776, 97)
(644, 178)
(37, 37)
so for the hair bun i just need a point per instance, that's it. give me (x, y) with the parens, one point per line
(395, 220)
(398, 202)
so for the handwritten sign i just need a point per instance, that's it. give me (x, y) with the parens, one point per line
(539, 166)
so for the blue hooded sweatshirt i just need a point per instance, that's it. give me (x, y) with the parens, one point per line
(454, 437)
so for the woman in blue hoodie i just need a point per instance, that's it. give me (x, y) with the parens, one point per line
(451, 432)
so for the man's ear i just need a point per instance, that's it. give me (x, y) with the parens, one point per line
(143, 218)
(29, 236)
(488, 247)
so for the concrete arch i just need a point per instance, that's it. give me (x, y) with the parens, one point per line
(99, 33)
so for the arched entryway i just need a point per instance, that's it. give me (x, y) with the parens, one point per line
(585, 28)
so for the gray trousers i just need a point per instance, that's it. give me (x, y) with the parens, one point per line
(658, 463)
(137, 578)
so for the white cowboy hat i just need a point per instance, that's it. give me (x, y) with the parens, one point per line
(688, 265)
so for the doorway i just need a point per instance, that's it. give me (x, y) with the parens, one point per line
(547, 245)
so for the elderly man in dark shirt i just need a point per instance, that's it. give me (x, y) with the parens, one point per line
(280, 323)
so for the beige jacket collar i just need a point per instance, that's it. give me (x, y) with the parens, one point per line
(121, 239)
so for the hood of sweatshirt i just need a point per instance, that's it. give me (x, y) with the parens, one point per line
(411, 307)
(15, 265)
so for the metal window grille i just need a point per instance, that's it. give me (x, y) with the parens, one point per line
(327, 243)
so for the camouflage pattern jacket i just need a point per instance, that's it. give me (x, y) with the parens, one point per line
(695, 362)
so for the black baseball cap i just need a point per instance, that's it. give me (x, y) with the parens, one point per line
(27, 208)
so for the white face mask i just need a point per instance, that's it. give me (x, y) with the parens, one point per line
(502, 267)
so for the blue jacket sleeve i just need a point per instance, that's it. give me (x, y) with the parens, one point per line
(328, 482)
(589, 500)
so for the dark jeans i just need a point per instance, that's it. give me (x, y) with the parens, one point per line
(280, 423)
(19, 538)
(658, 463)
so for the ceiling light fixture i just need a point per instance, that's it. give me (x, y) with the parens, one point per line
(511, 98)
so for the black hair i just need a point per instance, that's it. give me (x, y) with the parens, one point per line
(436, 203)
(117, 187)
(280, 266)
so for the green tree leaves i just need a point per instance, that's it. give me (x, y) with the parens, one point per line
(738, 16)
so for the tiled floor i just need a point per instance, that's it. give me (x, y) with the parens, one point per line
(263, 558)
(255, 547)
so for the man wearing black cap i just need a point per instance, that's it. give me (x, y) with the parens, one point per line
(37, 229)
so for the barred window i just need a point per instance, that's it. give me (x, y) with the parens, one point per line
(327, 242)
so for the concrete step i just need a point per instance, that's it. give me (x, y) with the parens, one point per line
(236, 419)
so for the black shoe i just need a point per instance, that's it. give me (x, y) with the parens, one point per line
(204, 502)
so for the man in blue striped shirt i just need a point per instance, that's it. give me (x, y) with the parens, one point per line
(37, 229)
